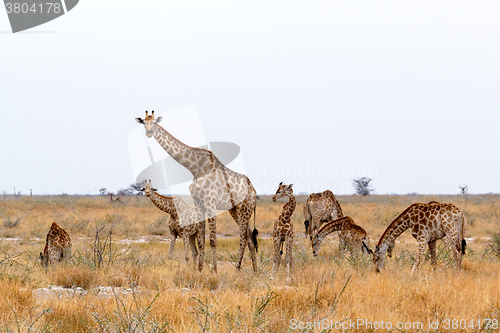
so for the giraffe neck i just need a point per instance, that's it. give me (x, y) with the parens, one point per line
(198, 161)
(288, 208)
(166, 204)
(396, 228)
(330, 227)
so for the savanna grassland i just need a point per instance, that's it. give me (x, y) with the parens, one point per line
(124, 281)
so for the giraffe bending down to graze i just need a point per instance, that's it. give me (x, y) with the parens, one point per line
(214, 187)
(183, 223)
(354, 235)
(283, 228)
(428, 223)
(318, 209)
(57, 246)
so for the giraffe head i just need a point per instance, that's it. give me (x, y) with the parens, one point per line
(44, 259)
(378, 256)
(147, 188)
(315, 245)
(149, 122)
(283, 191)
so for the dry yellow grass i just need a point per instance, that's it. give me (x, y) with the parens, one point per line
(143, 290)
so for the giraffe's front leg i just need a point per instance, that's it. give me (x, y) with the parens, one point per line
(200, 218)
(213, 241)
(420, 252)
(172, 244)
(194, 251)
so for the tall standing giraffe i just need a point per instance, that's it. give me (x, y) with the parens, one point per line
(183, 222)
(283, 228)
(428, 223)
(214, 187)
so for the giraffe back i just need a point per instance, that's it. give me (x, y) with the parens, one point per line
(319, 208)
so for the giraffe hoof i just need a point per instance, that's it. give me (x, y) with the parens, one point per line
(315, 254)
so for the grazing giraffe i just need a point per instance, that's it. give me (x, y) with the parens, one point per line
(214, 187)
(283, 228)
(354, 235)
(318, 209)
(428, 223)
(57, 246)
(183, 222)
(391, 246)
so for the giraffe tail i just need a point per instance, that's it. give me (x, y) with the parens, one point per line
(255, 232)
(464, 245)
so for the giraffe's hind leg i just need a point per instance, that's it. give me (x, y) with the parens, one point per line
(277, 255)
(432, 251)
(455, 248)
(289, 255)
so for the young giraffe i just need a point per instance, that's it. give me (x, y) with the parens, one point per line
(57, 246)
(354, 235)
(183, 222)
(318, 209)
(214, 187)
(283, 228)
(428, 223)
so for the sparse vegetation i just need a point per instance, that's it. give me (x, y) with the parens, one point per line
(141, 290)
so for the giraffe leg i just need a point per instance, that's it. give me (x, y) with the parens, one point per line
(213, 241)
(420, 252)
(455, 248)
(172, 245)
(289, 255)
(185, 240)
(200, 213)
(194, 251)
(432, 251)
(277, 255)
(201, 246)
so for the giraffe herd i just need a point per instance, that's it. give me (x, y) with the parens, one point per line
(216, 187)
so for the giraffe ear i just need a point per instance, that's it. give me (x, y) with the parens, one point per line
(154, 189)
(139, 120)
(142, 189)
(160, 118)
(281, 183)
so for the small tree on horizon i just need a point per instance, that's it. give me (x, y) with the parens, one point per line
(463, 189)
(362, 186)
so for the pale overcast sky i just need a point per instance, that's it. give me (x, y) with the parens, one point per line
(314, 92)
